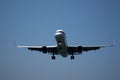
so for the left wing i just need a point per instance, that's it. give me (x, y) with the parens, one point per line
(79, 49)
(44, 49)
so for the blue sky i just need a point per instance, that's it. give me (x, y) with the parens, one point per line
(34, 22)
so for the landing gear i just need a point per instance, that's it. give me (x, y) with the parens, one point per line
(72, 57)
(53, 57)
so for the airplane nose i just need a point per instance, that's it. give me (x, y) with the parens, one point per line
(57, 34)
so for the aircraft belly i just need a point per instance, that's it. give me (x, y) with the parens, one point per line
(61, 44)
(63, 51)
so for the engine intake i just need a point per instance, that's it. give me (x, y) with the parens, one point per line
(44, 49)
(79, 49)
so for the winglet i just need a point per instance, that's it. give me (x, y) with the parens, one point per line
(15, 43)
(112, 44)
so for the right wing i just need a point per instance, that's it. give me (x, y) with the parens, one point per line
(44, 49)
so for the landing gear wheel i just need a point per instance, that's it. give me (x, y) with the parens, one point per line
(72, 57)
(53, 57)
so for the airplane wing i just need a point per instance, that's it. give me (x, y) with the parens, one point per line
(44, 49)
(75, 50)
(79, 49)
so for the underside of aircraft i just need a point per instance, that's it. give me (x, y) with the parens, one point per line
(62, 48)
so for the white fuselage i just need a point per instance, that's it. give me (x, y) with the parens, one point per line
(61, 43)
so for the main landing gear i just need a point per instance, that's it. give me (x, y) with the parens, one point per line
(72, 57)
(53, 57)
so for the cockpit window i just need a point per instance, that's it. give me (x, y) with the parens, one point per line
(60, 31)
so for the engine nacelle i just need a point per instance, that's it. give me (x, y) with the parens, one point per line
(44, 49)
(79, 49)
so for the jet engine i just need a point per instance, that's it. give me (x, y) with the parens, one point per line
(44, 49)
(79, 49)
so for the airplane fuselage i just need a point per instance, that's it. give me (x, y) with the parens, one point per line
(61, 43)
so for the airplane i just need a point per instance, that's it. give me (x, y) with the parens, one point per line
(62, 47)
